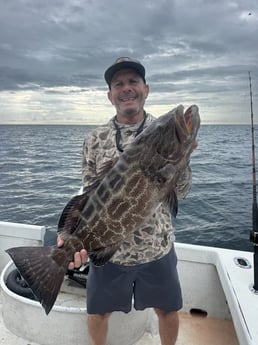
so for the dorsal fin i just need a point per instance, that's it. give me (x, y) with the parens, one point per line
(71, 213)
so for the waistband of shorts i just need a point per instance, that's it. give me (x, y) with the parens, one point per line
(145, 263)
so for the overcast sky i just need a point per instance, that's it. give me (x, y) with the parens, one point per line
(53, 55)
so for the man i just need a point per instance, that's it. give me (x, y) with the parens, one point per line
(145, 265)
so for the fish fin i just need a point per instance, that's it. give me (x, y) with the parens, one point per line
(101, 256)
(165, 173)
(71, 213)
(42, 274)
(172, 202)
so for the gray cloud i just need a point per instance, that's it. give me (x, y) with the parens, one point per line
(189, 48)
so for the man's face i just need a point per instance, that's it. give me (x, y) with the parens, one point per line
(128, 92)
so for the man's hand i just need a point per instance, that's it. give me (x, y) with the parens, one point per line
(80, 258)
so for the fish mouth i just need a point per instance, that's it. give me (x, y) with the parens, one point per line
(189, 126)
(188, 116)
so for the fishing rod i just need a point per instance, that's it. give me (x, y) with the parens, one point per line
(254, 232)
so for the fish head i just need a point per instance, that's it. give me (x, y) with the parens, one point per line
(172, 136)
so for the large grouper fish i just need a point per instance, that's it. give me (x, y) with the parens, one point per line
(129, 190)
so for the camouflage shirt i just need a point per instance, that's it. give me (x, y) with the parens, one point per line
(154, 239)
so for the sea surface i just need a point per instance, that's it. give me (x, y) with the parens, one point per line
(40, 170)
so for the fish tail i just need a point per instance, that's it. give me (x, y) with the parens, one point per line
(41, 272)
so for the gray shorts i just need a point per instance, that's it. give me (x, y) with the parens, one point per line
(155, 284)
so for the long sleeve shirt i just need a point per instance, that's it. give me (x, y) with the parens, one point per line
(155, 237)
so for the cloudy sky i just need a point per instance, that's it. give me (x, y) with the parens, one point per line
(53, 55)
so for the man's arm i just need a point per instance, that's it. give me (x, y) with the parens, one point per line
(89, 170)
(88, 173)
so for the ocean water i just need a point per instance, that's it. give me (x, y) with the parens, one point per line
(40, 170)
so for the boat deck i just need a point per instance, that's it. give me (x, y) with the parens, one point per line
(197, 330)
(194, 330)
(223, 291)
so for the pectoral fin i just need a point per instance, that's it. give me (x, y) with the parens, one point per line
(165, 173)
(100, 256)
(172, 202)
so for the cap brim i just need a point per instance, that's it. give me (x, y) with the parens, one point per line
(110, 72)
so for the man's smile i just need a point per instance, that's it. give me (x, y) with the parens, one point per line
(127, 99)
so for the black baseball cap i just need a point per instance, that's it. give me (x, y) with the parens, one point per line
(122, 63)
